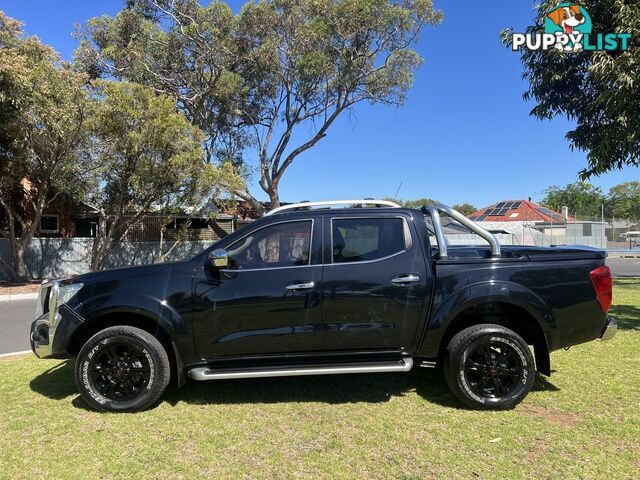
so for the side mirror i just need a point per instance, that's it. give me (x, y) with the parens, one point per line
(219, 258)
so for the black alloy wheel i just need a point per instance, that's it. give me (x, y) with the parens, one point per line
(488, 366)
(123, 369)
(120, 371)
(493, 369)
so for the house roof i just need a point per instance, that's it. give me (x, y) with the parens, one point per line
(516, 211)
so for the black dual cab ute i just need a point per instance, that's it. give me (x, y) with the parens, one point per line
(311, 289)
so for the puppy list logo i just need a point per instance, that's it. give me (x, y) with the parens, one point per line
(568, 28)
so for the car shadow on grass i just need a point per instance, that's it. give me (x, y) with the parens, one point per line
(57, 383)
(628, 317)
(331, 389)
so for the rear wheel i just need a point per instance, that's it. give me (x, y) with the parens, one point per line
(123, 369)
(489, 367)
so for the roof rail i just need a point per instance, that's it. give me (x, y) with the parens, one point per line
(295, 206)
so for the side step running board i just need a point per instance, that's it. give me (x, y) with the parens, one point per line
(206, 373)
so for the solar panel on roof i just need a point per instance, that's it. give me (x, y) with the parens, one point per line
(503, 211)
(508, 204)
(500, 205)
(516, 204)
(481, 218)
(550, 213)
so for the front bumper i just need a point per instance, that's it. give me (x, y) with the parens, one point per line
(44, 326)
(609, 330)
(54, 325)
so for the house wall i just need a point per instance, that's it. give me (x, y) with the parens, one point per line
(63, 206)
(148, 229)
(575, 234)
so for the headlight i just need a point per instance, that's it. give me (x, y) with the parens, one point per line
(67, 292)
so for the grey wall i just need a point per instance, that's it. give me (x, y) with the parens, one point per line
(61, 257)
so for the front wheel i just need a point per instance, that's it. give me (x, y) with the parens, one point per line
(122, 369)
(489, 367)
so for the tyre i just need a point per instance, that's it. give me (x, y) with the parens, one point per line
(122, 369)
(489, 367)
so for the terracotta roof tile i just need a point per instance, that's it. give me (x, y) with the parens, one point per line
(516, 211)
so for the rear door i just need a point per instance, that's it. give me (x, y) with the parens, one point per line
(374, 282)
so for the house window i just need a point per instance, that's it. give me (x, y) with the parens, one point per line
(586, 230)
(49, 224)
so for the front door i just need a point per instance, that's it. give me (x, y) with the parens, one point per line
(267, 301)
(374, 283)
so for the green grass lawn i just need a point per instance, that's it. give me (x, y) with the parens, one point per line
(583, 422)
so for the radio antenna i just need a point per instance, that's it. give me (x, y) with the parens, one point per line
(397, 191)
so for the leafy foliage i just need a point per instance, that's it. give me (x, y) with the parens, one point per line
(599, 91)
(149, 158)
(255, 78)
(582, 198)
(624, 200)
(44, 111)
(465, 208)
(417, 203)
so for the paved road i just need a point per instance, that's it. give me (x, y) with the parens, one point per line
(16, 316)
(15, 319)
(624, 267)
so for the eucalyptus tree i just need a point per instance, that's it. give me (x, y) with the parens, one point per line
(257, 81)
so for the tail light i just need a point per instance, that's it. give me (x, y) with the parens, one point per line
(601, 279)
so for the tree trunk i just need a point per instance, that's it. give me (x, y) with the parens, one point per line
(12, 267)
(21, 269)
(99, 247)
(246, 196)
(18, 270)
(274, 197)
(13, 275)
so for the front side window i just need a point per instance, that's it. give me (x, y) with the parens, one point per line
(365, 239)
(279, 245)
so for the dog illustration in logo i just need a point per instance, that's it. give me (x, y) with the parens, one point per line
(567, 18)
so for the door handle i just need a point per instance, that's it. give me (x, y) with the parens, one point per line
(300, 286)
(405, 279)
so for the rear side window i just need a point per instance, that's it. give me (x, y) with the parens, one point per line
(365, 239)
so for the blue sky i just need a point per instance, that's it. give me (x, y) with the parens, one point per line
(464, 135)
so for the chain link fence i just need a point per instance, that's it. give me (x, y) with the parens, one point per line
(593, 231)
